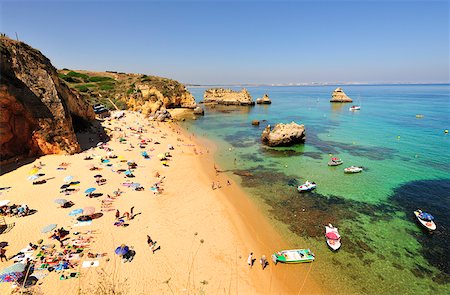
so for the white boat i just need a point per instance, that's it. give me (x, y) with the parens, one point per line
(354, 108)
(353, 169)
(333, 237)
(425, 219)
(293, 256)
(307, 186)
(335, 162)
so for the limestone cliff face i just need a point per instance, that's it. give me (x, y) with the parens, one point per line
(228, 97)
(339, 95)
(36, 107)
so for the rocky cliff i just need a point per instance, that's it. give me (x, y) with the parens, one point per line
(283, 134)
(339, 95)
(136, 92)
(228, 97)
(37, 109)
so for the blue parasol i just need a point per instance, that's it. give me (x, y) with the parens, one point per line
(68, 179)
(135, 185)
(75, 212)
(48, 228)
(89, 190)
(122, 250)
(128, 172)
(33, 177)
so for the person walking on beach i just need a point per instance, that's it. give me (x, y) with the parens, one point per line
(263, 262)
(3, 254)
(151, 244)
(117, 214)
(131, 212)
(250, 259)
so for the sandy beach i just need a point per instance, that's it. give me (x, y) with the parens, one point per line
(203, 235)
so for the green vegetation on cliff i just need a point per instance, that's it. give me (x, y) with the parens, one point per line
(128, 91)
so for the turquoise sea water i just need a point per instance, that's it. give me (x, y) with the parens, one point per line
(406, 164)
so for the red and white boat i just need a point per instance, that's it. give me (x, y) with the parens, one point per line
(333, 237)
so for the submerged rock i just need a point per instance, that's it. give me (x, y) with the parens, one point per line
(339, 95)
(227, 97)
(264, 100)
(255, 122)
(283, 134)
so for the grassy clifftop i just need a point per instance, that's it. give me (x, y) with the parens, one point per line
(128, 91)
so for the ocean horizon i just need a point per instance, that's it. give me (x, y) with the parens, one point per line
(406, 167)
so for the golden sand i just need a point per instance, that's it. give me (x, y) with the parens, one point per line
(205, 235)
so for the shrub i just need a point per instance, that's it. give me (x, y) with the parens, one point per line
(99, 79)
(81, 88)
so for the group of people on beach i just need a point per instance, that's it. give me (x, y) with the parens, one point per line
(263, 261)
(15, 210)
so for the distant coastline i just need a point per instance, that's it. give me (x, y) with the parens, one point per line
(193, 85)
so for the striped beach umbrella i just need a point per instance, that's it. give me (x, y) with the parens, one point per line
(48, 228)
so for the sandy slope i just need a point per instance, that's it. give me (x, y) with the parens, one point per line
(205, 235)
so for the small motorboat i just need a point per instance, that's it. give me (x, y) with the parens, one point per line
(353, 169)
(293, 256)
(425, 219)
(307, 186)
(333, 237)
(354, 108)
(335, 162)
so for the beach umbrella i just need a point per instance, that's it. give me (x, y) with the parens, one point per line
(48, 228)
(75, 212)
(88, 210)
(33, 177)
(4, 202)
(3, 244)
(135, 185)
(161, 156)
(12, 273)
(100, 143)
(60, 201)
(90, 190)
(33, 171)
(128, 172)
(332, 235)
(122, 250)
(74, 183)
(97, 176)
(68, 178)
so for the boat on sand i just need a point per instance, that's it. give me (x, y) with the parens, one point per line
(307, 186)
(353, 169)
(425, 219)
(333, 237)
(293, 256)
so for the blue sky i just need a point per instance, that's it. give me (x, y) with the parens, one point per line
(223, 42)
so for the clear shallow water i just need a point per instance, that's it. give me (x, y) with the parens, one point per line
(406, 163)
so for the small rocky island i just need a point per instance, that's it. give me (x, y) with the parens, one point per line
(264, 100)
(339, 95)
(283, 134)
(227, 97)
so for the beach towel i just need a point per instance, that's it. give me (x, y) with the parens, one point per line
(83, 223)
(90, 263)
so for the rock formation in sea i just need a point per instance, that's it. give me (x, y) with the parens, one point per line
(199, 111)
(283, 134)
(227, 97)
(37, 109)
(339, 95)
(264, 100)
(255, 122)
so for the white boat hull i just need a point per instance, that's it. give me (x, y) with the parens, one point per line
(430, 225)
(333, 244)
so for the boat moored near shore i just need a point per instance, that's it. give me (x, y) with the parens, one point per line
(293, 256)
(425, 219)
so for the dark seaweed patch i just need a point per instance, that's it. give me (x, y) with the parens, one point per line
(432, 196)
